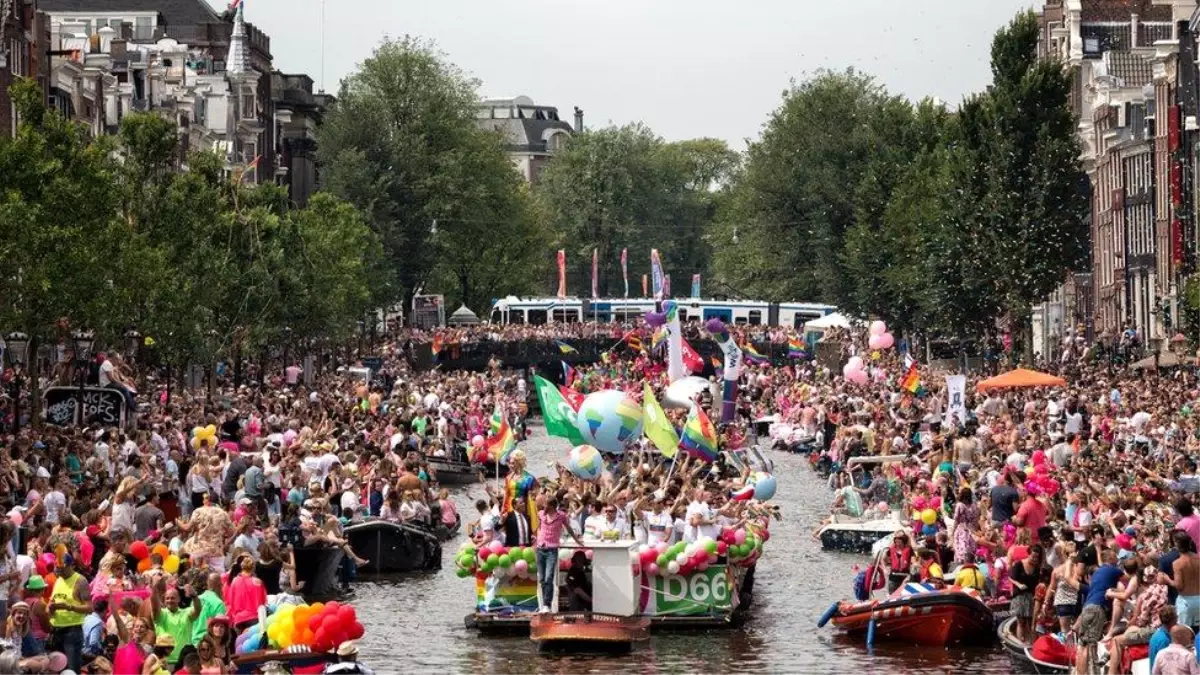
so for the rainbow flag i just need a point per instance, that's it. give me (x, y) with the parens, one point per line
(753, 355)
(658, 338)
(797, 348)
(634, 342)
(496, 420)
(565, 348)
(505, 595)
(699, 436)
(501, 444)
(912, 381)
(569, 374)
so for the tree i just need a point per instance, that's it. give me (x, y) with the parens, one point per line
(403, 147)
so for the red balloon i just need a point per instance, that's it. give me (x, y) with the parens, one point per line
(139, 550)
(329, 623)
(722, 547)
(321, 641)
(333, 606)
(357, 631)
(347, 615)
(40, 564)
(314, 621)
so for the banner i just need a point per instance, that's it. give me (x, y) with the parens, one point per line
(594, 293)
(956, 393)
(656, 274)
(657, 427)
(645, 287)
(562, 273)
(696, 286)
(625, 269)
(705, 592)
(557, 413)
(666, 289)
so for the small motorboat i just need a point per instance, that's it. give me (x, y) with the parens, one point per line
(917, 613)
(857, 536)
(490, 470)
(395, 547)
(317, 567)
(453, 472)
(588, 631)
(1041, 658)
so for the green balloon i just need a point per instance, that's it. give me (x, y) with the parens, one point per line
(505, 561)
(710, 546)
(465, 561)
(531, 556)
(662, 560)
(462, 573)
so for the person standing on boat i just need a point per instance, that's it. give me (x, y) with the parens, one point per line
(517, 530)
(551, 524)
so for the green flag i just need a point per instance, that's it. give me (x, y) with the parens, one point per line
(656, 425)
(556, 412)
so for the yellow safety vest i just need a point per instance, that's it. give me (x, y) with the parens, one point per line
(64, 591)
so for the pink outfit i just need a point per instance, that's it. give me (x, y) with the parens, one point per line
(128, 659)
(550, 528)
(246, 594)
(449, 513)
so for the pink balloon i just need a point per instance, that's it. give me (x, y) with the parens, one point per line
(886, 341)
(16, 518)
(477, 441)
(875, 342)
(858, 377)
(740, 536)
(652, 569)
(496, 547)
(935, 502)
(919, 503)
(855, 363)
(878, 327)
(521, 567)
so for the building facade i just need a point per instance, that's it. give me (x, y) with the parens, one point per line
(531, 133)
(23, 40)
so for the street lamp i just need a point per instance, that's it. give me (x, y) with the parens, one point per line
(133, 340)
(82, 340)
(17, 354)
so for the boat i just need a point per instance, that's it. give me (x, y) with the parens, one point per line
(917, 613)
(317, 567)
(490, 469)
(296, 656)
(1050, 656)
(588, 631)
(857, 536)
(453, 472)
(394, 547)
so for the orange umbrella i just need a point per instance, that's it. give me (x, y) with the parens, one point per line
(1015, 379)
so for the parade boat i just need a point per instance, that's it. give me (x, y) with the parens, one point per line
(394, 547)
(317, 568)
(1046, 656)
(588, 631)
(917, 613)
(453, 472)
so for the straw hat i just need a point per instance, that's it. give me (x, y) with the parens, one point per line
(347, 649)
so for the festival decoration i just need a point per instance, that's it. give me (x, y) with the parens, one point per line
(320, 627)
(764, 486)
(204, 437)
(732, 367)
(699, 437)
(584, 462)
(139, 550)
(878, 327)
(669, 317)
(609, 419)
(656, 425)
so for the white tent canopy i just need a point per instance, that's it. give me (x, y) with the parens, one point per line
(828, 321)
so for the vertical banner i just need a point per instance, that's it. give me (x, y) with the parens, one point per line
(625, 269)
(562, 273)
(594, 293)
(696, 286)
(666, 289)
(645, 286)
(656, 274)
(956, 405)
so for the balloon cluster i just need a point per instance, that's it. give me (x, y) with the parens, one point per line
(140, 551)
(321, 627)
(1038, 480)
(496, 560)
(855, 371)
(745, 545)
(204, 436)
(680, 558)
(880, 338)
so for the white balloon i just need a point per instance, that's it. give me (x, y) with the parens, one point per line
(673, 567)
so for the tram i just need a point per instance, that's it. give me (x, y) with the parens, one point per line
(514, 310)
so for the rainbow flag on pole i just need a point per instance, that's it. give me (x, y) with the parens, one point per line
(753, 355)
(912, 381)
(502, 443)
(797, 348)
(699, 436)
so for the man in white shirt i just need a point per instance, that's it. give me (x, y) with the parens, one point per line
(55, 502)
(700, 518)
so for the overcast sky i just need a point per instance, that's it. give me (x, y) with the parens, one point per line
(686, 69)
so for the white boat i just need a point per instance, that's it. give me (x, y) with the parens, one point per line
(857, 536)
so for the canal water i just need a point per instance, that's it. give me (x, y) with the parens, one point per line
(414, 623)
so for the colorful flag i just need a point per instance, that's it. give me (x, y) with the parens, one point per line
(569, 374)
(797, 348)
(666, 286)
(658, 338)
(699, 436)
(502, 443)
(625, 269)
(691, 360)
(595, 257)
(565, 348)
(912, 380)
(695, 285)
(656, 272)
(656, 426)
(572, 397)
(753, 355)
(562, 273)
(436, 347)
(557, 413)
(235, 4)
(634, 342)
(645, 288)
(496, 421)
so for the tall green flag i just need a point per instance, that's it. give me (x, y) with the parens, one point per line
(556, 412)
(656, 426)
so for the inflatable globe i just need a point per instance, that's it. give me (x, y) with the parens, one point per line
(764, 486)
(608, 420)
(585, 462)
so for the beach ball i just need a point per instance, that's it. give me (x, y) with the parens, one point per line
(764, 486)
(585, 462)
(608, 420)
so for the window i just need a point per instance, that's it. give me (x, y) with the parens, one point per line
(516, 316)
(798, 320)
(755, 317)
(537, 317)
(496, 318)
(1091, 45)
(683, 315)
(565, 315)
(142, 29)
(248, 101)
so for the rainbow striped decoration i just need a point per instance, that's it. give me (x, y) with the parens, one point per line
(753, 355)
(502, 443)
(797, 348)
(505, 595)
(699, 436)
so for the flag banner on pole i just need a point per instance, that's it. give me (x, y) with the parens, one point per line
(595, 257)
(645, 287)
(691, 360)
(572, 397)
(699, 437)
(659, 337)
(797, 348)
(666, 285)
(753, 355)
(557, 413)
(656, 426)
(656, 274)
(634, 342)
(562, 273)
(565, 348)
(569, 374)
(625, 269)
(695, 285)
(501, 443)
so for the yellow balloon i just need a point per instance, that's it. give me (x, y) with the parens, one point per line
(211, 430)
(929, 516)
(916, 515)
(171, 564)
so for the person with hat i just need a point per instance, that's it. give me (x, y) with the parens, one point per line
(347, 661)
(70, 603)
(158, 662)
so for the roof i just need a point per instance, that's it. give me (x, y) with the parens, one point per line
(181, 13)
(525, 134)
(1132, 69)
(1120, 10)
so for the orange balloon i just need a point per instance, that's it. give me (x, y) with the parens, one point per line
(50, 579)
(162, 551)
(144, 565)
(308, 637)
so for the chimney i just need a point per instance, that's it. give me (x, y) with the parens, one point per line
(578, 119)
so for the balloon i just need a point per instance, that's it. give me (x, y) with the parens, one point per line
(886, 341)
(493, 559)
(858, 377)
(918, 503)
(356, 631)
(521, 567)
(609, 419)
(584, 462)
(673, 567)
(144, 565)
(139, 550)
(652, 569)
(496, 547)
(875, 342)
(662, 560)
(505, 561)
(878, 327)
(171, 564)
(740, 536)
(161, 550)
(929, 516)
(16, 518)
(477, 441)
(50, 579)
(935, 502)
(764, 486)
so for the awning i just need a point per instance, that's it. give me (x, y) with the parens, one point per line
(1020, 378)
